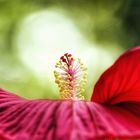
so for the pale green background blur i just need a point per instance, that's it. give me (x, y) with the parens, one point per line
(35, 33)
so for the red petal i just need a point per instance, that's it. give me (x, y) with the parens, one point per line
(121, 82)
(22, 119)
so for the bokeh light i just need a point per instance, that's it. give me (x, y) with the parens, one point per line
(34, 34)
(44, 36)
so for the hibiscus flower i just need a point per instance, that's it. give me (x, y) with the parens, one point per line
(113, 112)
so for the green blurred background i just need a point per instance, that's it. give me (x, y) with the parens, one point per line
(35, 33)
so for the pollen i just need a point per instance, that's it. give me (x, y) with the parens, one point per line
(71, 77)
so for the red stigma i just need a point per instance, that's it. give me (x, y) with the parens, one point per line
(69, 55)
(66, 54)
(64, 60)
(62, 57)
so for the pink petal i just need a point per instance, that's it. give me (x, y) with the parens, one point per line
(22, 119)
(121, 82)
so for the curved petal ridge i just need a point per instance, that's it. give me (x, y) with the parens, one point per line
(121, 82)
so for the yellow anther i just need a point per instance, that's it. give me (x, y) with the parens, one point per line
(70, 79)
(55, 72)
(57, 81)
(70, 67)
(82, 90)
(69, 76)
(59, 77)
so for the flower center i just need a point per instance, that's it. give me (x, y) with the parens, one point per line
(71, 77)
